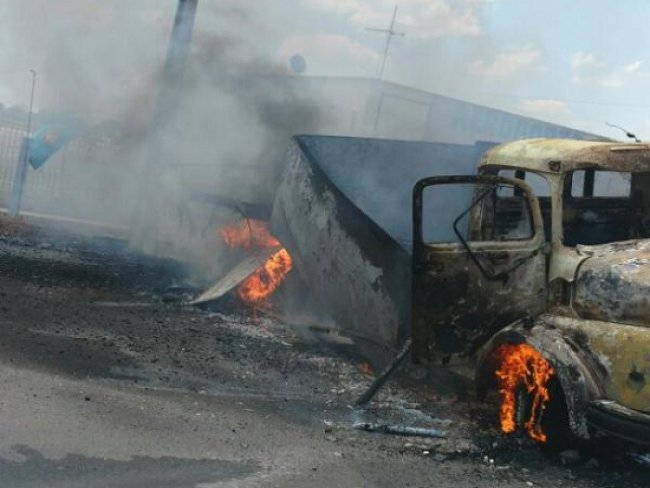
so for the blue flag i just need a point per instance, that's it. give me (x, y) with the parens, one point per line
(47, 141)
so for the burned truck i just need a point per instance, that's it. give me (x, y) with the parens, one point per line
(533, 274)
(564, 269)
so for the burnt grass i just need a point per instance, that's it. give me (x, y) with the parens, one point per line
(89, 307)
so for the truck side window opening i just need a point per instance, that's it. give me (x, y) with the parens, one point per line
(604, 206)
(606, 184)
(441, 204)
(487, 213)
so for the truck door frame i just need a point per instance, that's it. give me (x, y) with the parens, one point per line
(457, 304)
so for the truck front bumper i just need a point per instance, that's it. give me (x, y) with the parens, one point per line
(619, 421)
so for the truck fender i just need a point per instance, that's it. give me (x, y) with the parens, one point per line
(576, 374)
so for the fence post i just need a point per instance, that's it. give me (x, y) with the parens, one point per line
(19, 179)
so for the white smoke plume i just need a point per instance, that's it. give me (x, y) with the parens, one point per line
(102, 63)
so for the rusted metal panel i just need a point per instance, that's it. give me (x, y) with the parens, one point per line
(555, 155)
(622, 353)
(351, 265)
(236, 276)
(613, 284)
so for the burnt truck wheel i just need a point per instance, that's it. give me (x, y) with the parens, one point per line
(555, 421)
(531, 397)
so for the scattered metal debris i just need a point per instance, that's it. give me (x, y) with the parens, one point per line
(400, 430)
(237, 275)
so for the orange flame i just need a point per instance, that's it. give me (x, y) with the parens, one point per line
(261, 284)
(522, 366)
(249, 233)
(258, 287)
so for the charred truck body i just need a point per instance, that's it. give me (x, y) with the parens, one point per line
(535, 273)
(566, 272)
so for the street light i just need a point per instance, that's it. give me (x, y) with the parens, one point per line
(23, 158)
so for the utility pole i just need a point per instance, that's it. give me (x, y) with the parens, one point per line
(390, 33)
(169, 95)
(23, 158)
(153, 192)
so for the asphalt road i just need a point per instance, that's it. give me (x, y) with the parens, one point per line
(107, 381)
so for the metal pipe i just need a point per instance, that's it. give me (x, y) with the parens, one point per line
(385, 374)
(405, 430)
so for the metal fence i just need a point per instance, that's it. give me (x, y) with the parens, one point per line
(80, 181)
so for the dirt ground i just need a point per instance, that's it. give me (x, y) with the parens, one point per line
(110, 380)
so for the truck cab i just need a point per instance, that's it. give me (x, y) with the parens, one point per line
(546, 249)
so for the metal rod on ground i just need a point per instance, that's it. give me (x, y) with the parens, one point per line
(400, 430)
(385, 374)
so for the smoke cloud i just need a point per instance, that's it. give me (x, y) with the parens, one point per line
(102, 63)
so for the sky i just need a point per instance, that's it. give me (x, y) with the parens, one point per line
(580, 63)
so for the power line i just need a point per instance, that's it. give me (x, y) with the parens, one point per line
(566, 100)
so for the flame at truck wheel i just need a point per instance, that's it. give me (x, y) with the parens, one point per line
(522, 366)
